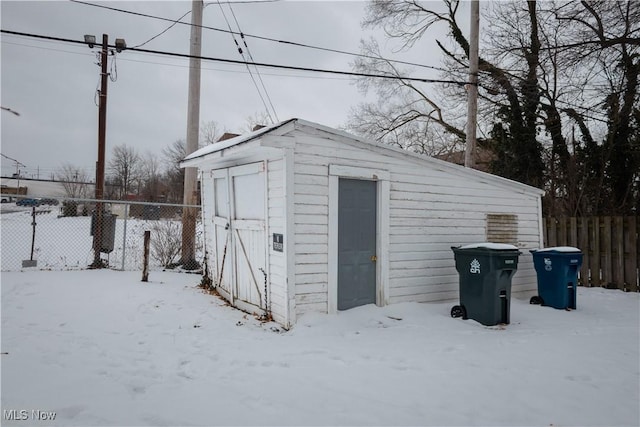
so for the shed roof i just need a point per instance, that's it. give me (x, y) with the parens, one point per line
(280, 128)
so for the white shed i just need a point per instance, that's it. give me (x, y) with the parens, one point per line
(299, 217)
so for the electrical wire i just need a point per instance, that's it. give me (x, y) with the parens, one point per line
(249, 69)
(246, 64)
(96, 94)
(113, 69)
(423, 80)
(252, 60)
(258, 64)
(172, 65)
(287, 42)
(165, 30)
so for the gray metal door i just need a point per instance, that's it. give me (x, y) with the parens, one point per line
(356, 243)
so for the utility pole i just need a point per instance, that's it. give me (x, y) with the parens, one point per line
(102, 133)
(98, 218)
(472, 87)
(188, 260)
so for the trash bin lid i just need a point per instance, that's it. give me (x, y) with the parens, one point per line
(564, 249)
(489, 245)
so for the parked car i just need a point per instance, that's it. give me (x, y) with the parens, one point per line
(28, 202)
(47, 201)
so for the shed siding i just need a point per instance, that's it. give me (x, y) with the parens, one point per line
(275, 224)
(311, 219)
(430, 211)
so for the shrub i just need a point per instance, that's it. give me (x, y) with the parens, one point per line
(166, 242)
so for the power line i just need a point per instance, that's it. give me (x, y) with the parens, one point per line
(224, 15)
(287, 42)
(171, 65)
(164, 31)
(252, 60)
(461, 83)
(257, 64)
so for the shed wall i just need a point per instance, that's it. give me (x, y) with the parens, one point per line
(430, 211)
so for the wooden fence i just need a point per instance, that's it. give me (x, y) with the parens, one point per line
(610, 246)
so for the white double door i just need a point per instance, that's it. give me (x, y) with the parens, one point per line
(240, 235)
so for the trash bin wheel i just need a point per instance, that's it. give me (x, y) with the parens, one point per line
(537, 300)
(458, 311)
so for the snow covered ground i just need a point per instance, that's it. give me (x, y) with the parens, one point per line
(103, 348)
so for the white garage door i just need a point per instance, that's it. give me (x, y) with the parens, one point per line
(240, 235)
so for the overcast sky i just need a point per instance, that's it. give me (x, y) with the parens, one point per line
(53, 84)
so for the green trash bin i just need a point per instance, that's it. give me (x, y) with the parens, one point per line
(485, 271)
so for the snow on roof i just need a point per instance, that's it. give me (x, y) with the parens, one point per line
(436, 163)
(218, 146)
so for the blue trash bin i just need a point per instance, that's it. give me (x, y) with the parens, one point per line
(557, 271)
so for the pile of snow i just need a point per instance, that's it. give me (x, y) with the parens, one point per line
(103, 348)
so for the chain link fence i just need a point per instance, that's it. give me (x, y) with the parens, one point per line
(58, 234)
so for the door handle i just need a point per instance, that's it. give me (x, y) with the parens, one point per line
(374, 258)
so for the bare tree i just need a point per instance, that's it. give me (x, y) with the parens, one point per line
(209, 133)
(173, 155)
(125, 169)
(604, 38)
(512, 127)
(151, 177)
(260, 118)
(558, 99)
(405, 112)
(74, 181)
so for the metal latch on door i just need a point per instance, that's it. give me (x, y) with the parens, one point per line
(374, 258)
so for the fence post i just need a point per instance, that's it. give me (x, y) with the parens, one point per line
(124, 234)
(573, 233)
(562, 234)
(595, 265)
(145, 267)
(618, 256)
(631, 255)
(586, 253)
(552, 232)
(607, 273)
